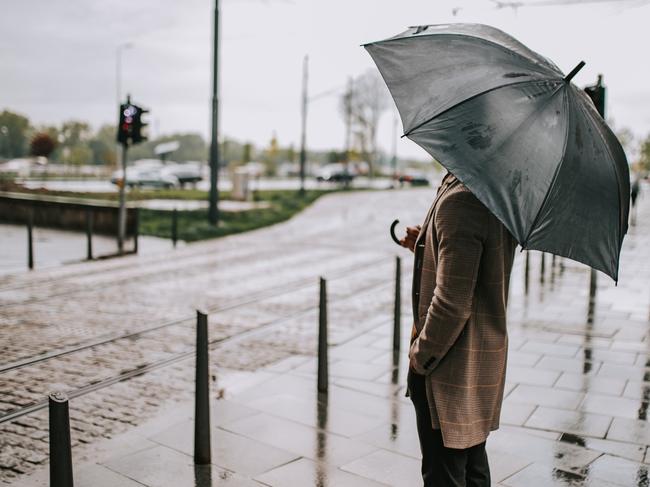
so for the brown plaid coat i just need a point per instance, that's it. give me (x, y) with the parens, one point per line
(463, 259)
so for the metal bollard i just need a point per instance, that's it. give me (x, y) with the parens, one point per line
(322, 338)
(397, 313)
(30, 240)
(527, 273)
(174, 227)
(60, 449)
(202, 451)
(89, 234)
(137, 230)
(543, 268)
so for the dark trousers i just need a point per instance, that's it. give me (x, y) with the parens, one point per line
(441, 466)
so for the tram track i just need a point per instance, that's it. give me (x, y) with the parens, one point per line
(131, 275)
(177, 357)
(181, 260)
(271, 292)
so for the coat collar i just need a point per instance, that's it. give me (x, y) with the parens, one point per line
(447, 181)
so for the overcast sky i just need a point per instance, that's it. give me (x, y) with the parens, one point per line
(58, 58)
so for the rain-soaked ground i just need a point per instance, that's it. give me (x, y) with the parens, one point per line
(578, 380)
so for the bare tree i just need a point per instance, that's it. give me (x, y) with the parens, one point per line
(363, 105)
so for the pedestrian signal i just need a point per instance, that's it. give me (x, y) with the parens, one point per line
(131, 128)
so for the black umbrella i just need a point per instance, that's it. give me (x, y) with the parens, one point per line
(517, 133)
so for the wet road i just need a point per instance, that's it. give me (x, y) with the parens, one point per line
(578, 375)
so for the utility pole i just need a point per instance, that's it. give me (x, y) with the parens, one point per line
(213, 210)
(303, 135)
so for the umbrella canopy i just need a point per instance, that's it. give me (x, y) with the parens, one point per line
(517, 133)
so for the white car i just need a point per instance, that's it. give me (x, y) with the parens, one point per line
(157, 177)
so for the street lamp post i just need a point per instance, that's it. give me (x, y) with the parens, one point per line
(303, 135)
(349, 97)
(118, 68)
(213, 209)
(306, 100)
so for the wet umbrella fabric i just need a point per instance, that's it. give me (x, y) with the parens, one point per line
(523, 139)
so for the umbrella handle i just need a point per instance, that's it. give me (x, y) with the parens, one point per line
(392, 232)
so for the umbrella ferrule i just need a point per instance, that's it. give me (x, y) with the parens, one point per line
(574, 71)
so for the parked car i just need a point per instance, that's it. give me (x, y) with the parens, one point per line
(156, 177)
(334, 173)
(187, 172)
(414, 179)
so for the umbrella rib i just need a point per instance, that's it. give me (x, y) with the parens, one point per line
(599, 130)
(555, 175)
(550, 187)
(464, 100)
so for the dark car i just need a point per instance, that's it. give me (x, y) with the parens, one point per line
(414, 179)
(334, 173)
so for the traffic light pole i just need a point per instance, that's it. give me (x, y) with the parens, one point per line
(121, 222)
(130, 130)
(213, 209)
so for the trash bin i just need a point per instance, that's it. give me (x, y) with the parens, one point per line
(240, 185)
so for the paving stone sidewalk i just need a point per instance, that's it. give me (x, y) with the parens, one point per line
(273, 428)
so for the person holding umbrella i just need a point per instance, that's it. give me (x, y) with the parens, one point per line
(530, 161)
(464, 256)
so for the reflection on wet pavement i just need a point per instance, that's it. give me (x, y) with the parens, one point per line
(321, 440)
(202, 475)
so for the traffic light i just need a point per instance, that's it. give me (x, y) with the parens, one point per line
(125, 127)
(597, 95)
(131, 128)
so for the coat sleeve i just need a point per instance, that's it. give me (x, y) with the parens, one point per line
(461, 223)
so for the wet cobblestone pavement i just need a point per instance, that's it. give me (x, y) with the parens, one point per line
(578, 381)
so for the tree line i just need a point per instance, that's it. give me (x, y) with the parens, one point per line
(75, 142)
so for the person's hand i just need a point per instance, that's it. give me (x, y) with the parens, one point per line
(408, 240)
(412, 366)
